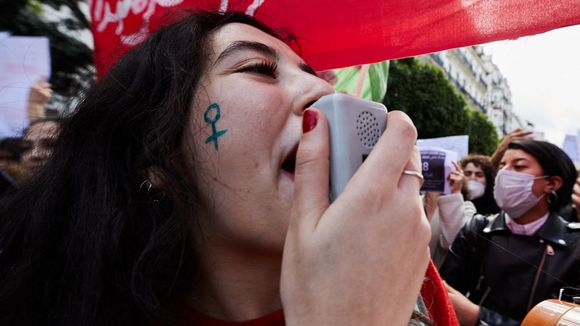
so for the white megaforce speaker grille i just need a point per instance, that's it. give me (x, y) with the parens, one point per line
(367, 129)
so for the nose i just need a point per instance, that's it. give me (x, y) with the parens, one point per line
(310, 89)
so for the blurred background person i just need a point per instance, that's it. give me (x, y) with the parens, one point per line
(479, 176)
(39, 140)
(11, 171)
(447, 214)
(571, 213)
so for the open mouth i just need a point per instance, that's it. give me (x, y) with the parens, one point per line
(289, 164)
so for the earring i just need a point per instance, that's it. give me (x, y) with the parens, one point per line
(145, 186)
(555, 195)
(154, 194)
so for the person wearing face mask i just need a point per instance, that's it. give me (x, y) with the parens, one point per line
(502, 265)
(479, 175)
(447, 214)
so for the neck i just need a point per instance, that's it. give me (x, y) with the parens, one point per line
(535, 213)
(236, 284)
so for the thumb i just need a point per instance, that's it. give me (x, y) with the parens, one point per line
(311, 172)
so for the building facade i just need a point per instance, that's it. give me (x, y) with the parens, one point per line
(482, 84)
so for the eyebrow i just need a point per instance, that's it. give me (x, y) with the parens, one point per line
(517, 160)
(238, 46)
(261, 48)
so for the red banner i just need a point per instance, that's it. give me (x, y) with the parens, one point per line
(334, 34)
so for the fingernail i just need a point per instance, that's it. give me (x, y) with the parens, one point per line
(309, 120)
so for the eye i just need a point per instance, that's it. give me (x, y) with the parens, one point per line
(520, 167)
(267, 68)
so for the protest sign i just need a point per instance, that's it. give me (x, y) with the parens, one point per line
(436, 164)
(457, 144)
(23, 61)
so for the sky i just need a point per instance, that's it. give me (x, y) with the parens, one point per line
(543, 72)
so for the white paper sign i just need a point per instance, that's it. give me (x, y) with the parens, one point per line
(457, 144)
(436, 164)
(23, 61)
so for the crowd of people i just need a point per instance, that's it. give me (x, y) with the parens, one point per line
(190, 187)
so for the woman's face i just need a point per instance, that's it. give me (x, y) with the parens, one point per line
(39, 140)
(246, 124)
(519, 161)
(473, 172)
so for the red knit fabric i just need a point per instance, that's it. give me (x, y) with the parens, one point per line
(194, 317)
(435, 297)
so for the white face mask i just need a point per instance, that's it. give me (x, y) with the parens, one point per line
(475, 189)
(513, 192)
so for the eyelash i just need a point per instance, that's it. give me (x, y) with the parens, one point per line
(266, 68)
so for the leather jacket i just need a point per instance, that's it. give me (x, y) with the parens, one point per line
(507, 274)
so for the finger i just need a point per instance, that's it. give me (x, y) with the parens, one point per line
(411, 182)
(522, 134)
(457, 167)
(311, 172)
(390, 155)
(575, 200)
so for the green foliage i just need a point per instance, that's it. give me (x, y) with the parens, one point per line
(435, 106)
(483, 138)
(72, 60)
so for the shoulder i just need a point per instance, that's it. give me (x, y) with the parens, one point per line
(479, 222)
(570, 232)
(573, 226)
(573, 233)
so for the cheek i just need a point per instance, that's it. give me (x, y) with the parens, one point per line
(482, 181)
(538, 188)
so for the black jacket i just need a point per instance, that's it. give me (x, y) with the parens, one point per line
(507, 274)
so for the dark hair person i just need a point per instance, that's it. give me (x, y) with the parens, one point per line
(510, 262)
(480, 175)
(38, 142)
(191, 186)
(11, 173)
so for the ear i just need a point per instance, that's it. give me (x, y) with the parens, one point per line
(554, 183)
(156, 177)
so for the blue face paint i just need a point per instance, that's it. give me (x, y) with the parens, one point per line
(212, 118)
